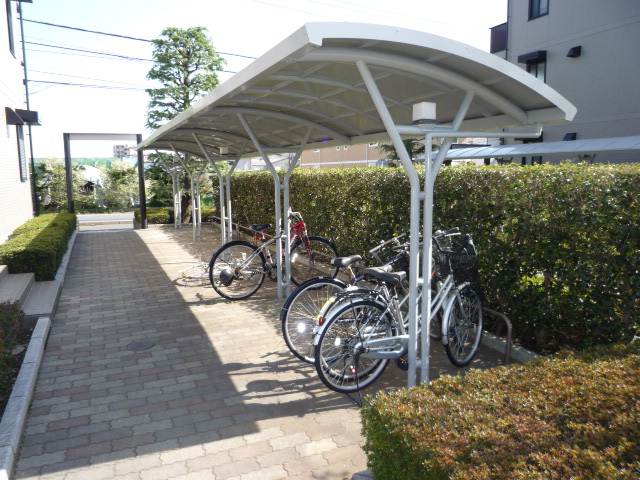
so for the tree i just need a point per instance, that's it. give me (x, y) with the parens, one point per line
(414, 146)
(51, 183)
(120, 185)
(186, 65)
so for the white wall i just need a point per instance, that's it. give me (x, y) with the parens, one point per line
(603, 82)
(15, 195)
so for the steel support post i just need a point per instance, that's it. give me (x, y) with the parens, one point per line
(287, 226)
(194, 177)
(175, 173)
(276, 180)
(141, 186)
(67, 168)
(224, 192)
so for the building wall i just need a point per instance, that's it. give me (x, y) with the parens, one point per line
(345, 156)
(15, 195)
(603, 82)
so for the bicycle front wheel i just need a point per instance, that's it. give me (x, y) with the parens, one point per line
(311, 257)
(237, 270)
(299, 314)
(464, 327)
(338, 356)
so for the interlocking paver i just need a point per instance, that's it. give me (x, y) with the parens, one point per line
(217, 396)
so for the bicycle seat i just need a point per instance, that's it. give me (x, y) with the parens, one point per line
(260, 227)
(383, 274)
(345, 261)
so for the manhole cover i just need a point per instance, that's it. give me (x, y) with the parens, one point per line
(140, 345)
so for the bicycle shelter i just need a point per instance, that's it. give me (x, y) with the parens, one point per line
(333, 84)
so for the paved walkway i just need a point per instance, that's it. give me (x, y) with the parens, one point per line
(217, 396)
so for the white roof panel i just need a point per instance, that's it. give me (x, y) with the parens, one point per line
(311, 81)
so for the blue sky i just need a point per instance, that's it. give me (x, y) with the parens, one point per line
(238, 28)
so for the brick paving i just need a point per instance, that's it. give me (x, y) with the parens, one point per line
(217, 396)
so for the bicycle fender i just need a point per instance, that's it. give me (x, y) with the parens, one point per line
(445, 320)
(332, 312)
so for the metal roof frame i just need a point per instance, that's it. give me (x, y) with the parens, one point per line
(334, 84)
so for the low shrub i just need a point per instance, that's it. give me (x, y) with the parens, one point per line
(10, 320)
(38, 245)
(569, 415)
(164, 215)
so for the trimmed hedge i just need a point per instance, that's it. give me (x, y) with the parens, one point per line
(559, 245)
(563, 416)
(164, 215)
(38, 245)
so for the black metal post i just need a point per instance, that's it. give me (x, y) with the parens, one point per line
(141, 189)
(67, 169)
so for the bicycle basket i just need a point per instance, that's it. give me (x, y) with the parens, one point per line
(464, 266)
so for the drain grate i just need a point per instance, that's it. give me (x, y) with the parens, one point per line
(140, 345)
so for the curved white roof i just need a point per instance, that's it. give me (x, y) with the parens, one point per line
(310, 82)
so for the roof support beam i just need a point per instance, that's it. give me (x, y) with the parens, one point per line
(424, 69)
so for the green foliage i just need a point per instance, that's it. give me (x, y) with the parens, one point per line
(414, 146)
(186, 65)
(51, 184)
(564, 416)
(38, 245)
(161, 215)
(559, 245)
(120, 185)
(10, 320)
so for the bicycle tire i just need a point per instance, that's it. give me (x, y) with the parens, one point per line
(299, 314)
(337, 366)
(464, 327)
(311, 260)
(229, 277)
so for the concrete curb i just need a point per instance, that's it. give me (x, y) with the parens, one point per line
(15, 414)
(499, 344)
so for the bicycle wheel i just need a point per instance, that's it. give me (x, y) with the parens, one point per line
(339, 364)
(236, 271)
(464, 327)
(310, 258)
(299, 314)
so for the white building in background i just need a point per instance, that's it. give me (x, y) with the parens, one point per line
(16, 205)
(588, 51)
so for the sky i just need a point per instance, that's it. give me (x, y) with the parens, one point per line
(110, 97)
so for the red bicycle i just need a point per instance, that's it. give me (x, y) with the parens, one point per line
(238, 268)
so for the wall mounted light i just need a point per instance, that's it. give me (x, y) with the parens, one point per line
(424, 113)
(575, 51)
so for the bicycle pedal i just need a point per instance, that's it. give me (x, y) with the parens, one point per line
(402, 363)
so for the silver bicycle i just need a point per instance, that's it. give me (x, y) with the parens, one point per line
(369, 327)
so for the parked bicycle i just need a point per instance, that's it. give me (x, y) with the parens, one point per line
(238, 268)
(300, 310)
(368, 328)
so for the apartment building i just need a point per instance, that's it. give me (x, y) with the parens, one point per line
(16, 206)
(587, 50)
(344, 156)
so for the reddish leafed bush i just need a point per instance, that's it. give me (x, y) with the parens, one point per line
(566, 416)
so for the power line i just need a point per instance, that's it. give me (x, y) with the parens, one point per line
(121, 36)
(107, 87)
(86, 78)
(87, 31)
(126, 57)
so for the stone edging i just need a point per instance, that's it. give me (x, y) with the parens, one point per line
(15, 414)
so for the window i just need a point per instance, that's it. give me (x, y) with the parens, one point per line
(538, 8)
(22, 155)
(12, 46)
(538, 70)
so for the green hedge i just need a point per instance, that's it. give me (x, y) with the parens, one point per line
(559, 245)
(564, 416)
(164, 215)
(38, 245)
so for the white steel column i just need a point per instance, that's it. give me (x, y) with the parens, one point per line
(226, 224)
(276, 179)
(174, 171)
(287, 226)
(194, 176)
